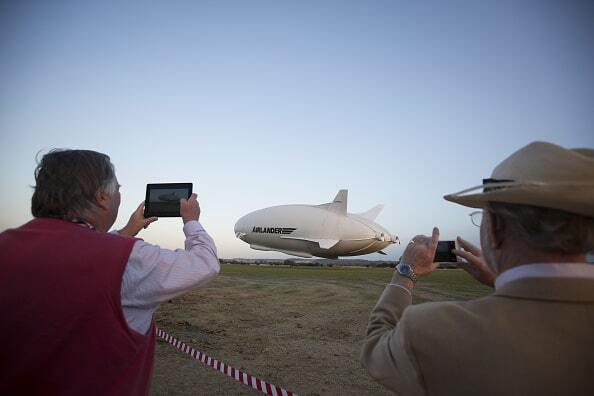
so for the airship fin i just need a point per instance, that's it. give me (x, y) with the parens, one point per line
(290, 252)
(324, 243)
(294, 253)
(372, 213)
(339, 205)
(258, 247)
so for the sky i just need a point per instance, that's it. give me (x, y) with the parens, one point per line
(265, 103)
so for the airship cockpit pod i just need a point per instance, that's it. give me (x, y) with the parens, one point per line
(240, 228)
(386, 237)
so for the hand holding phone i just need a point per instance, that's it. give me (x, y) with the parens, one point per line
(419, 252)
(474, 262)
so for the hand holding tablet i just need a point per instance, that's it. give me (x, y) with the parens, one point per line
(189, 209)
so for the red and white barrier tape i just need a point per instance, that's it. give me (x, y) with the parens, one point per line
(238, 375)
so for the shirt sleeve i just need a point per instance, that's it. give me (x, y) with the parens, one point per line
(387, 353)
(154, 275)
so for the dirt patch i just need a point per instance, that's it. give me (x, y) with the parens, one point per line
(299, 332)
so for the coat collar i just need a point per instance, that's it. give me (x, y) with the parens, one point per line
(552, 289)
(545, 270)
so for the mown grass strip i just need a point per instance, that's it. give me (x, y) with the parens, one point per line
(455, 284)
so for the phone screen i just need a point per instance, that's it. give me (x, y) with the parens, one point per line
(444, 254)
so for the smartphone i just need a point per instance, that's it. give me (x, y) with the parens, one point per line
(162, 199)
(444, 254)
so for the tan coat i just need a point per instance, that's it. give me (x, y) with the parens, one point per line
(533, 336)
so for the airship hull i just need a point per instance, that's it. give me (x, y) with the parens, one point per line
(314, 230)
(310, 249)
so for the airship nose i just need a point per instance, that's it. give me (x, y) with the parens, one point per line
(240, 228)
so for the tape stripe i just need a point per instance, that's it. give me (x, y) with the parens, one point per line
(238, 375)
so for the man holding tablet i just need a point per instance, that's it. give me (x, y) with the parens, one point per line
(77, 301)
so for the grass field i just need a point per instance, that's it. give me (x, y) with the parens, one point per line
(297, 327)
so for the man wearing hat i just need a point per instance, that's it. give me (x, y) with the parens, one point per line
(534, 333)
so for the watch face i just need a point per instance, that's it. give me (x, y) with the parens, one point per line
(404, 269)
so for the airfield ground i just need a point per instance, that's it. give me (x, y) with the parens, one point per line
(296, 327)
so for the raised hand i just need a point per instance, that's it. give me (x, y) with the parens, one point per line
(420, 252)
(137, 222)
(475, 263)
(189, 209)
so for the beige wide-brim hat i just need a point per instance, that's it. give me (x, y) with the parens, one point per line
(539, 174)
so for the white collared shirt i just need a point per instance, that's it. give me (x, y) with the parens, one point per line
(154, 275)
(545, 270)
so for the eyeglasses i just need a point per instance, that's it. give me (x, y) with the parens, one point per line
(476, 217)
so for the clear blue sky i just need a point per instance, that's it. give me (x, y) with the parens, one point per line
(273, 102)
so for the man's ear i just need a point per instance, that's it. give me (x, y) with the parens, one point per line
(102, 200)
(495, 229)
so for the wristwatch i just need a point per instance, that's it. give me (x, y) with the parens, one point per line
(407, 271)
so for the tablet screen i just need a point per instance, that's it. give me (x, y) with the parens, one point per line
(162, 200)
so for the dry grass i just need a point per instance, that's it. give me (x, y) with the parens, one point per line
(299, 328)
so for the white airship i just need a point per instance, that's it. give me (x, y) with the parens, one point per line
(325, 230)
(171, 197)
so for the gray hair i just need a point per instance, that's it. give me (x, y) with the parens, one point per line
(110, 186)
(66, 182)
(546, 229)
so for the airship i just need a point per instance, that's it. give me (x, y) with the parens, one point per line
(325, 230)
(171, 197)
